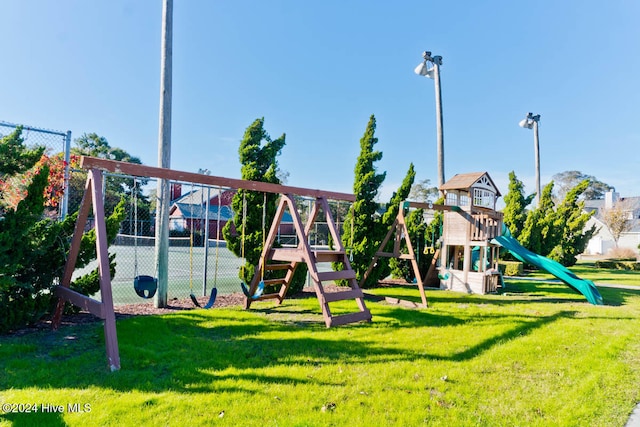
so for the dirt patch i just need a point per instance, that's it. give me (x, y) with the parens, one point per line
(148, 309)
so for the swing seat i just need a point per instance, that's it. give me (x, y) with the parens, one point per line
(145, 286)
(209, 304)
(212, 298)
(256, 295)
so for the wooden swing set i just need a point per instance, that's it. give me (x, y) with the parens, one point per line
(272, 258)
(400, 232)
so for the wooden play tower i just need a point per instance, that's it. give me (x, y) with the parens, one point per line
(468, 259)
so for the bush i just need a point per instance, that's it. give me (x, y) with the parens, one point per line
(26, 284)
(511, 268)
(618, 265)
(622, 254)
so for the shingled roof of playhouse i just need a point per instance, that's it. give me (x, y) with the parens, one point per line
(466, 181)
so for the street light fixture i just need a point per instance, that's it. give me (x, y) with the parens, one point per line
(434, 73)
(531, 122)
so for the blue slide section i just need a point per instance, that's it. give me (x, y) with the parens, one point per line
(585, 287)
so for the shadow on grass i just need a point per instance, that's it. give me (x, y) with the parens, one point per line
(221, 351)
(533, 292)
(34, 419)
(611, 296)
(227, 350)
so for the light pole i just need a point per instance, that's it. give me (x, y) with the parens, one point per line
(531, 122)
(434, 73)
(164, 155)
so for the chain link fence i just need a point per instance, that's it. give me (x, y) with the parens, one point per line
(197, 215)
(198, 256)
(57, 146)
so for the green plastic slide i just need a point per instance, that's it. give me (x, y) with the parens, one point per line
(585, 287)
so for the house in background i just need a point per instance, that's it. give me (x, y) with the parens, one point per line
(190, 210)
(602, 242)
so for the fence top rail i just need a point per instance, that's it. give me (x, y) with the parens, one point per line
(133, 169)
(34, 129)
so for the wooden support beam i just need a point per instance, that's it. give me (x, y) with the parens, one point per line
(430, 206)
(82, 301)
(113, 166)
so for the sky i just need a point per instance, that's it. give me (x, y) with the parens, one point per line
(317, 71)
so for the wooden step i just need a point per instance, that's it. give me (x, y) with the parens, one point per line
(273, 267)
(267, 296)
(406, 256)
(271, 282)
(336, 275)
(350, 318)
(329, 256)
(386, 254)
(342, 295)
(286, 254)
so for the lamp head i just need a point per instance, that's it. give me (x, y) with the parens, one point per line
(526, 123)
(423, 70)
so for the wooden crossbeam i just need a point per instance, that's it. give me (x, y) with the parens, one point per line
(113, 166)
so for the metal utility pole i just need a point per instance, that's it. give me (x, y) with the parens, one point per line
(164, 156)
(434, 73)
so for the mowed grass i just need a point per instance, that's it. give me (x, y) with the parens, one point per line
(539, 355)
(586, 270)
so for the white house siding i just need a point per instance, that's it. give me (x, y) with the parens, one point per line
(602, 242)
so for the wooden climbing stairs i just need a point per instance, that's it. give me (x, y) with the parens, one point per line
(288, 259)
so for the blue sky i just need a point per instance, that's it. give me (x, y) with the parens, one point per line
(317, 70)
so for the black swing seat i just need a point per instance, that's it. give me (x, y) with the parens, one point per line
(209, 304)
(145, 286)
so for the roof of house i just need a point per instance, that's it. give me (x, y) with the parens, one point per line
(198, 211)
(464, 181)
(199, 195)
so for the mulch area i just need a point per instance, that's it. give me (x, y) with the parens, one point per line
(176, 305)
(148, 309)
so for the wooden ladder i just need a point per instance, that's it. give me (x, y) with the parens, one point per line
(289, 258)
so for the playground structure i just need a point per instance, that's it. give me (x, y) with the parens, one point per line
(473, 233)
(289, 258)
(468, 256)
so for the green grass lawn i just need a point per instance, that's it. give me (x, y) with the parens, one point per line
(587, 270)
(538, 355)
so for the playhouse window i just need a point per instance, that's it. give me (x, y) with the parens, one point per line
(483, 198)
(455, 198)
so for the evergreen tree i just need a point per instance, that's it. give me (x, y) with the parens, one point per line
(569, 222)
(33, 249)
(15, 157)
(258, 154)
(537, 233)
(515, 205)
(361, 221)
(414, 226)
